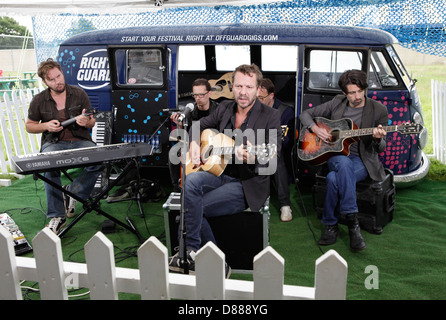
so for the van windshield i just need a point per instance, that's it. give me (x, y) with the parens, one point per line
(381, 75)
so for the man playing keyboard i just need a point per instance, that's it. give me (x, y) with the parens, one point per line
(47, 111)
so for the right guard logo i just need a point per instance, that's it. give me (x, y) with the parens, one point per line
(94, 72)
(91, 70)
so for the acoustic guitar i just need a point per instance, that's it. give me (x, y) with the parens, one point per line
(344, 133)
(216, 151)
(221, 88)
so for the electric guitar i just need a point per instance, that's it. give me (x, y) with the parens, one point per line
(216, 152)
(343, 133)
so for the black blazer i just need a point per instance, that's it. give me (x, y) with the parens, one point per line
(254, 177)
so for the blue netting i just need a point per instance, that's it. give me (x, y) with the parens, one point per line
(418, 25)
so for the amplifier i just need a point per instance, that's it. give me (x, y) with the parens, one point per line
(240, 236)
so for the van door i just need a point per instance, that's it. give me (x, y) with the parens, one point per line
(322, 68)
(139, 93)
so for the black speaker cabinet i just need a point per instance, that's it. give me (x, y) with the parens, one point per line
(240, 236)
(376, 201)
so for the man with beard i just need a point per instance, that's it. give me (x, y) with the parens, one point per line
(245, 180)
(363, 160)
(47, 111)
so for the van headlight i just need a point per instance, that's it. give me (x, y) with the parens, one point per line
(423, 136)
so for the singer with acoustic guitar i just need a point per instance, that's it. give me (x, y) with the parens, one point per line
(359, 162)
(243, 124)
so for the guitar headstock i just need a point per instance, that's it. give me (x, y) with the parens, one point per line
(409, 128)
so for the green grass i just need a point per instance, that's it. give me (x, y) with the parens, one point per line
(409, 254)
(437, 171)
(424, 74)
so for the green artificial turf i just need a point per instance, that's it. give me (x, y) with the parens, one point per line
(407, 259)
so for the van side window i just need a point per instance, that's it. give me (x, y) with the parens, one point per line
(381, 75)
(279, 58)
(230, 57)
(326, 66)
(191, 58)
(144, 67)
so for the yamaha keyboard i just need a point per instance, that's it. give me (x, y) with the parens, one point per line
(73, 158)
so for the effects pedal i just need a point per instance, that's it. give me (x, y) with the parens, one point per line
(21, 245)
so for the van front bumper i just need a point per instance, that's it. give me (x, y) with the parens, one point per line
(412, 178)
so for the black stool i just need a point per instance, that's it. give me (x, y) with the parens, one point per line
(240, 236)
(375, 199)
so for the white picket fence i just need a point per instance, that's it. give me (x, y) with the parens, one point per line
(152, 280)
(16, 141)
(438, 90)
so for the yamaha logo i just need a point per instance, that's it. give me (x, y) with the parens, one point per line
(38, 164)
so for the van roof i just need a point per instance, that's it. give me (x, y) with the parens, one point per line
(234, 33)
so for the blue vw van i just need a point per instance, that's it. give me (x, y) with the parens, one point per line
(132, 75)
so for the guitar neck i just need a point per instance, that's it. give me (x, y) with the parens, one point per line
(364, 132)
(231, 150)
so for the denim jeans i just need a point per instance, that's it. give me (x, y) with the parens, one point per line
(344, 173)
(82, 186)
(206, 195)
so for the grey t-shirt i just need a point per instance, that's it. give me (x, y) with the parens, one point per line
(355, 114)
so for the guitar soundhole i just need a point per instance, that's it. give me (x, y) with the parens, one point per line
(207, 153)
(219, 86)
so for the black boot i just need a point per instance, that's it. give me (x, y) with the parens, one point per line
(356, 240)
(329, 236)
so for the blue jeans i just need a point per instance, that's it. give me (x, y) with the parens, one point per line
(344, 173)
(206, 195)
(82, 186)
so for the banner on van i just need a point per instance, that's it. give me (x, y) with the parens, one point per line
(90, 70)
(94, 72)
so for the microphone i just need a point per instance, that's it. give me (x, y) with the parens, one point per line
(189, 108)
(180, 108)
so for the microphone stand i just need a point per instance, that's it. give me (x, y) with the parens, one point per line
(137, 195)
(182, 241)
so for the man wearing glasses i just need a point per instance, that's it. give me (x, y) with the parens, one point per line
(203, 106)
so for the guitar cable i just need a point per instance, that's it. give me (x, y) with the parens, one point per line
(304, 209)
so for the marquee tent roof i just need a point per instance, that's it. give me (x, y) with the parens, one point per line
(38, 7)
(417, 24)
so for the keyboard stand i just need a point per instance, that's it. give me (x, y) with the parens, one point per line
(93, 204)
